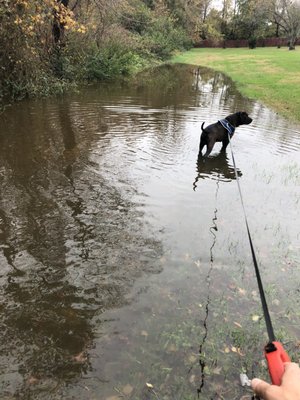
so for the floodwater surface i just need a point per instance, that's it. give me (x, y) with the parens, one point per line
(126, 271)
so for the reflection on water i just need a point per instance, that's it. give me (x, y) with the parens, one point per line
(122, 252)
(216, 167)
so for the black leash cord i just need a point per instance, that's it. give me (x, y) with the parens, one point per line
(259, 281)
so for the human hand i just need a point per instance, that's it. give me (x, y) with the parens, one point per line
(288, 390)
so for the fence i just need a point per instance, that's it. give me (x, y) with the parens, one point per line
(268, 42)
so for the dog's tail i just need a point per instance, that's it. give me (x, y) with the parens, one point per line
(202, 126)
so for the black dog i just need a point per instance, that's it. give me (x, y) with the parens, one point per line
(219, 131)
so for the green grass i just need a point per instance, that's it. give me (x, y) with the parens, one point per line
(269, 74)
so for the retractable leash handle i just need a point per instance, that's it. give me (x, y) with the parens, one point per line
(276, 357)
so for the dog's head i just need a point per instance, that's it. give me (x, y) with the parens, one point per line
(239, 118)
(243, 118)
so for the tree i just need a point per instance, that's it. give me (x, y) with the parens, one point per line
(225, 16)
(286, 16)
(251, 20)
(191, 15)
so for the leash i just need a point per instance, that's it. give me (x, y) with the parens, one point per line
(274, 351)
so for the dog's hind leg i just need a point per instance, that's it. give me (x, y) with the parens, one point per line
(202, 144)
(209, 148)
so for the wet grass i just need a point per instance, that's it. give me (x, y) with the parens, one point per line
(270, 75)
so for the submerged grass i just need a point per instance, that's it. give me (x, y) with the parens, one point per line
(179, 352)
(270, 75)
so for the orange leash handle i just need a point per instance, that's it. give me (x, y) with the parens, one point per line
(276, 357)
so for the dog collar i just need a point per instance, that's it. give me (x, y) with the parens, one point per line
(227, 126)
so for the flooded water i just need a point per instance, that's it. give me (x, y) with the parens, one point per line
(126, 271)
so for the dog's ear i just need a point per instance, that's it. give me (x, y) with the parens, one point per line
(242, 115)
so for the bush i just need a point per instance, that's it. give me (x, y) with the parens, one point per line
(110, 61)
(163, 37)
(252, 42)
(92, 44)
(137, 18)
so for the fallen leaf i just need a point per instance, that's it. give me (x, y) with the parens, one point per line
(237, 324)
(217, 370)
(172, 348)
(32, 380)
(127, 389)
(240, 353)
(192, 358)
(124, 338)
(80, 358)
(206, 370)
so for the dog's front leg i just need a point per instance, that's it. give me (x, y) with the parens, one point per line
(225, 144)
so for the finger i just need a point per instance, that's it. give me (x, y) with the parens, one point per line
(292, 370)
(266, 391)
(290, 366)
(260, 387)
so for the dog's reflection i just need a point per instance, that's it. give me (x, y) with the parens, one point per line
(215, 167)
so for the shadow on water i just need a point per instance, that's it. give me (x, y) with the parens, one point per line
(113, 270)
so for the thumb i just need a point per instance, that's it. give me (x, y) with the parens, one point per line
(260, 387)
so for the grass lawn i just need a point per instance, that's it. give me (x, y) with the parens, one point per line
(267, 74)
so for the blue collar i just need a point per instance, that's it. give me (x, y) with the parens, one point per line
(227, 126)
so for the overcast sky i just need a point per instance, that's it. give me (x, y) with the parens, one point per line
(217, 4)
